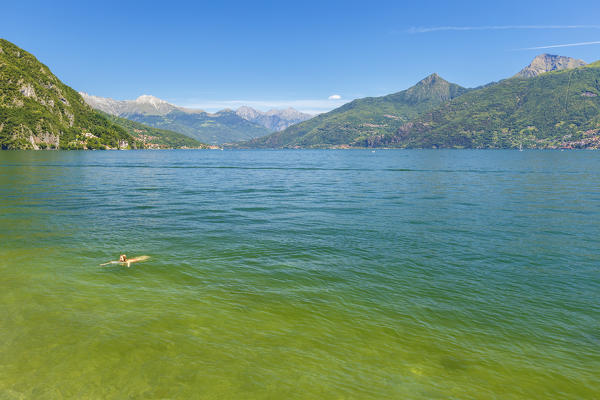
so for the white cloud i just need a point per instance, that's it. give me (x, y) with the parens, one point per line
(496, 28)
(553, 46)
(334, 97)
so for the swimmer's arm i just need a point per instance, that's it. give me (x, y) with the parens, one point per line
(111, 262)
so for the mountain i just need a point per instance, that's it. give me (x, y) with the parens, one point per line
(547, 63)
(552, 110)
(154, 138)
(38, 111)
(223, 126)
(273, 120)
(363, 118)
(144, 104)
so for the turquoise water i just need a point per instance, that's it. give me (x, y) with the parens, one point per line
(300, 274)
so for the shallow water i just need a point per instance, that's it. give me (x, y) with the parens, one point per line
(300, 274)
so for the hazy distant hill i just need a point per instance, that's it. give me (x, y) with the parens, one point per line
(274, 120)
(154, 138)
(223, 126)
(365, 117)
(554, 109)
(37, 110)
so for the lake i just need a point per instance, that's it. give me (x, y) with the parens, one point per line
(297, 274)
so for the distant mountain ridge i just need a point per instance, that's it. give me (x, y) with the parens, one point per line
(274, 120)
(362, 118)
(154, 138)
(558, 109)
(223, 126)
(548, 62)
(145, 104)
(557, 105)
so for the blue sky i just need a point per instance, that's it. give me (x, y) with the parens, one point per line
(276, 54)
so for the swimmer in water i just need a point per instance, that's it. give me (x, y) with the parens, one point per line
(124, 260)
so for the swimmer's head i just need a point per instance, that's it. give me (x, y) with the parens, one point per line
(122, 258)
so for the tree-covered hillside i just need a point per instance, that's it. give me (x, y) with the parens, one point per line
(38, 111)
(365, 117)
(555, 109)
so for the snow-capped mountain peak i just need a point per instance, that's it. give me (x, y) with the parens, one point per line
(149, 99)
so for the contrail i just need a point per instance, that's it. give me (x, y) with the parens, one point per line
(496, 28)
(561, 45)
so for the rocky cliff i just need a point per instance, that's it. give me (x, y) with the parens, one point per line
(549, 62)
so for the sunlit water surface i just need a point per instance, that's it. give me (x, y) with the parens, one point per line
(300, 275)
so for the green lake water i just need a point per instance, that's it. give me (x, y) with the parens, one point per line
(300, 275)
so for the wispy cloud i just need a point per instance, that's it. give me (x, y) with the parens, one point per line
(310, 106)
(554, 46)
(334, 97)
(496, 28)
